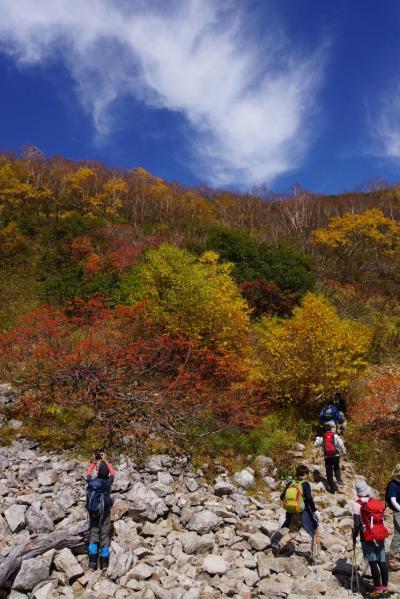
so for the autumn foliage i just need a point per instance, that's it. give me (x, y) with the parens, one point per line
(164, 310)
(134, 376)
(312, 354)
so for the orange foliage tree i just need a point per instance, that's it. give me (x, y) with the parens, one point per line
(135, 378)
(377, 409)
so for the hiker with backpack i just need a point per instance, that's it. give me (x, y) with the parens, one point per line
(333, 447)
(98, 504)
(299, 506)
(369, 524)
(329, 414)
(393, 501)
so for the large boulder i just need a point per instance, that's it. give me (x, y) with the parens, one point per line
(204, 521)
(215, 564)
(38, 521)
(244, 478)
(66, 562)
(47, 478)
(32, 572)
(192, 543)
(145, 504)
(15, 516)
(155, 463)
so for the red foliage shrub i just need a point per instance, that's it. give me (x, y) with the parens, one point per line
(268, 298)
(135, 378)
(377, 409)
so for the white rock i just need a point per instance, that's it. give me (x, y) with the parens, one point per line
(204, 522)
(145, 503)
(244, 479)
(15, 516)
(141, 572)
(66, 562)
(215, 564)
(32, 572)
(44, 592)
(47, 478)
(258, 541)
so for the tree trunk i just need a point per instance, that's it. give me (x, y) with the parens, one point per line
(37, 545)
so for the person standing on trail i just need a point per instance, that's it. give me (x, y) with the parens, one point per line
(329, 414)
(333, 447)
(98, 504)
(340, 403)
(393, 501)
(300, 508)
(369, 525)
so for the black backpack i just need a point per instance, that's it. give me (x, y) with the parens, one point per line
(98, 501)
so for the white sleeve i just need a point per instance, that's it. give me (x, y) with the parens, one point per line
(339, 444)
(318, 442)
(394, 503)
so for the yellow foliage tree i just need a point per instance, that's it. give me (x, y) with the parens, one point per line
(81, 189)
(12, 242)
(313, 353)
(193, 297)
(369, 231)
(14, 193)
(111, 198)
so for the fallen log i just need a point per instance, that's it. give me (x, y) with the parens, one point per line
(37, 545)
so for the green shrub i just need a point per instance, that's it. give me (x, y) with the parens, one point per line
(284, 264)
(289, 268)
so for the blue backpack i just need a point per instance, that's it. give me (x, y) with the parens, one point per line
(98, 501)
(327, 413)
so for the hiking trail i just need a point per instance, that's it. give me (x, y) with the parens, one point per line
(176, 536)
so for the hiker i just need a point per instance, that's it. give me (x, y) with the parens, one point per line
(393, 501)
(329, 414)
(333, 447)
(340, 403)
(300, 508)
(369, 524)
(98, 504)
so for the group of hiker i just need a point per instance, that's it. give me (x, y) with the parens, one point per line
(368, 511)
(298, 502)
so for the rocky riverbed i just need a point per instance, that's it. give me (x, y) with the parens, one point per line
(176, 534)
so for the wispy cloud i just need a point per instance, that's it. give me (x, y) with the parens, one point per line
(248, 100)
(386, 128)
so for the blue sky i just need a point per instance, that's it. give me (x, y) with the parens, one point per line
(229, 93)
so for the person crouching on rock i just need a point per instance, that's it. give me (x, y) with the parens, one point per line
(300, 509)
(98, 504)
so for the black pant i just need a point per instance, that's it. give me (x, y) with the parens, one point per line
(380, 573)
(331, 466)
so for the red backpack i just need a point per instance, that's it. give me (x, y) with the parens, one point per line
(372, 520)
(329, 444)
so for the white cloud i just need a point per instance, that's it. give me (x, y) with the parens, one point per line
(247, 100)
(386, 128)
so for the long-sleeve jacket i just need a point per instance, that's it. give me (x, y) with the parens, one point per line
(334, 415)
(337, 441)
(309, 504)
(93, 466)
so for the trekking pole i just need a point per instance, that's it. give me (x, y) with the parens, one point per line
(354, 568)
(315, 547)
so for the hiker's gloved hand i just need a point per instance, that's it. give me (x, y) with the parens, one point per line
(317, 516)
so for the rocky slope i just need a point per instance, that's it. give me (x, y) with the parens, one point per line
(175, 535)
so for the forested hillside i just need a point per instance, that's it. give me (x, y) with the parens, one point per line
(151, 314)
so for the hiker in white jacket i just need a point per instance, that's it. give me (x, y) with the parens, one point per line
(333, 447)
